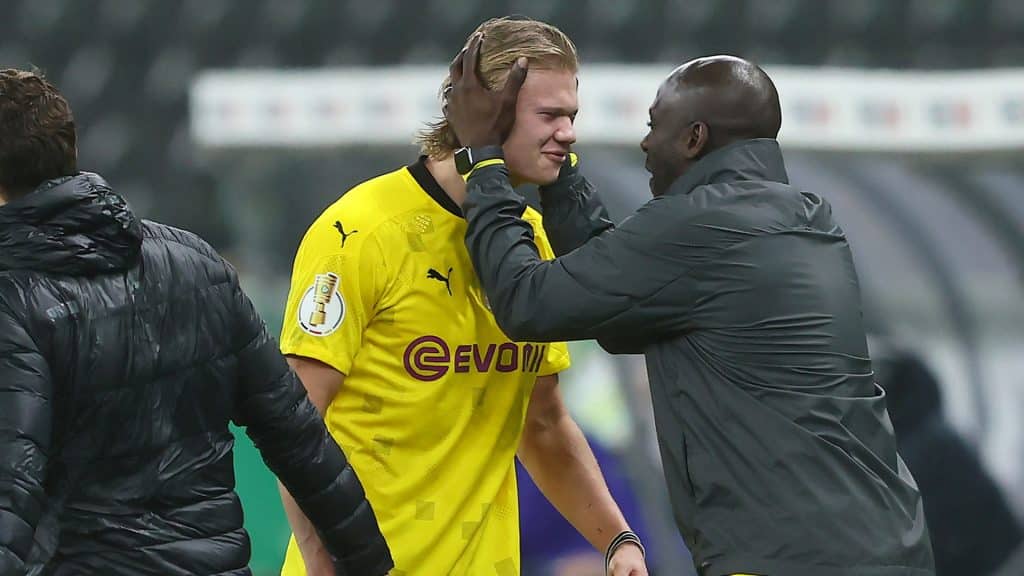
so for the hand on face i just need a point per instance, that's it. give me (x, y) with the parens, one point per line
(479, 116)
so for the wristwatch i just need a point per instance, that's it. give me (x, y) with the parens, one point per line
(466, 158)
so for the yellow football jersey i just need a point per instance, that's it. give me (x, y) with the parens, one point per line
(435, 395)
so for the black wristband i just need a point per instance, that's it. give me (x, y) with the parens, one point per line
(468, 158)
(624, 537)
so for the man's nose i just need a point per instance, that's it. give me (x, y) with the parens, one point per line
(566, 133)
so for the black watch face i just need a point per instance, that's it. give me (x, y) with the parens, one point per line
(463, 161)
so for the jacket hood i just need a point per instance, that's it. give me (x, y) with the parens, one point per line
(75, 225)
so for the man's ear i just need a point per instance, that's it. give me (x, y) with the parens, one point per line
(695, 140)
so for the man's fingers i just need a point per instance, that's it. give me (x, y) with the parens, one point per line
(510, 93)
(471, 62)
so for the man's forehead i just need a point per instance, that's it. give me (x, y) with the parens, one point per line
(552, 87)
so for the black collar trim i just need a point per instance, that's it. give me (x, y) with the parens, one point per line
(426, 181)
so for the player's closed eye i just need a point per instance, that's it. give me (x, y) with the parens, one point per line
(552, 115)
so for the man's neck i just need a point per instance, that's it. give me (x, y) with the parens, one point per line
(448, 178)
(3, 196)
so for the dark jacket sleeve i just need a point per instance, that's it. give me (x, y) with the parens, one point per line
(573, 211)
(295, 444)
(25, 437)
(626, 284)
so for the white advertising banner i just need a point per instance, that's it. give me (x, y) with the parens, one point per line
(823, 108)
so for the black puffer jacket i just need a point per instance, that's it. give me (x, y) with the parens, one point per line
(126, 348)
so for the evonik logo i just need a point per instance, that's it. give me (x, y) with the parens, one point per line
(428, 358)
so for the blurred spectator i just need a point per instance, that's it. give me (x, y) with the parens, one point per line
(972, 528)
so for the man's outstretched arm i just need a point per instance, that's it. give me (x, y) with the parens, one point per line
(322, 384)
(614, 286)
(294, 442)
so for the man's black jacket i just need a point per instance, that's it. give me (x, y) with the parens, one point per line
(126, 348)
(741, 291)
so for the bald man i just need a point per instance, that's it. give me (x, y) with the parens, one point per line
(741, 292)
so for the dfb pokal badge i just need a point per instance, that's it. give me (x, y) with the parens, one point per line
(322, 308)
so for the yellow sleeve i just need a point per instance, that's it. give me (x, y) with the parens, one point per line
(338, 281)
(557, 358)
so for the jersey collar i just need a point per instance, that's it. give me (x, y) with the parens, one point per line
(426, 181)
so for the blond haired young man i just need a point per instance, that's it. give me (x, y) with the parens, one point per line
(389, 330)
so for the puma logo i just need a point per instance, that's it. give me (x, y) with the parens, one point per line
(435, 275)
(341, 230)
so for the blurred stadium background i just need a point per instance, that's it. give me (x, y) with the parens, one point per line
(242, 120)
